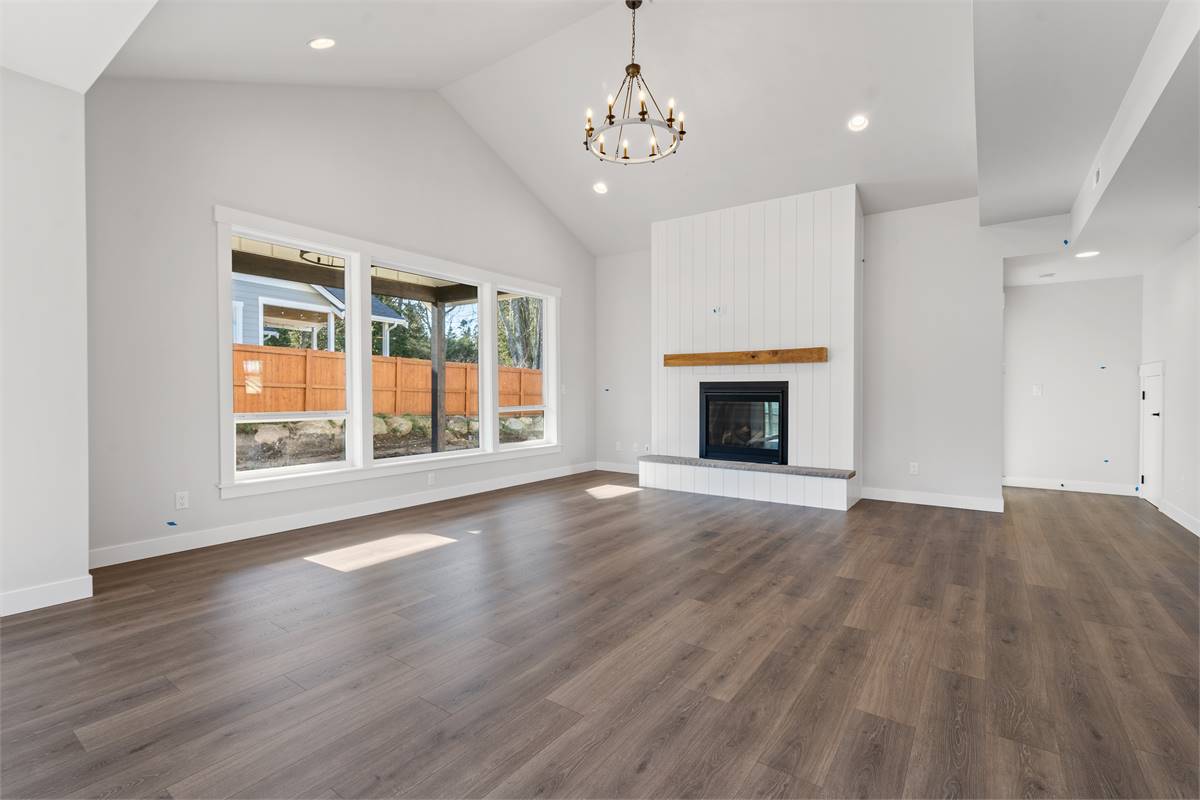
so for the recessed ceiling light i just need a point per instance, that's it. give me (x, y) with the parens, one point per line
(321, 43)
(1088, 254)
(858, 122)
(600, 187)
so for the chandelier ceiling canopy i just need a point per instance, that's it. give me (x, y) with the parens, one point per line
(635, 130)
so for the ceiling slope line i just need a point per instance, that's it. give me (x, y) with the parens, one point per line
(1177, 29)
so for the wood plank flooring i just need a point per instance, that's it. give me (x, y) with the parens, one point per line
(583, 638)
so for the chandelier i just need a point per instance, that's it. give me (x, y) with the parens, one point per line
(655, 133)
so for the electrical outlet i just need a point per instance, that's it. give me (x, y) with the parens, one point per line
(1037, 390)
(430, 477)
(617, 446)
(182, 501)
(634, 449)
(914, 468)
(645, 448)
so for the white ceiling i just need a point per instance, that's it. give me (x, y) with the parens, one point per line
(1151, 205)
(767, 87)
(408, 44)
(66, 43)
(1049, 76)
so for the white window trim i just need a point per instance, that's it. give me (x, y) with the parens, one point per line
(238, 320)
(360, 463)
(330, 313)
(550, 420)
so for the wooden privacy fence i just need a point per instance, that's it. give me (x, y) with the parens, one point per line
(274, 379)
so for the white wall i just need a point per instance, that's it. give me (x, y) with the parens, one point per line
(776, 274)
(622, 359)
(1171, 334)
(933, 349)
(394, 167)
(43, 347)
(1079, 343)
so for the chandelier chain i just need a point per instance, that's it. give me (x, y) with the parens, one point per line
(633, 39)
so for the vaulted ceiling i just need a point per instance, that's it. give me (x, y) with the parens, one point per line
(1007, 99)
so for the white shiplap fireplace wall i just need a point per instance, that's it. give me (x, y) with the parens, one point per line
(777, 274)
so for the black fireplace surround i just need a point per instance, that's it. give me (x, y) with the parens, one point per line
(744, 421)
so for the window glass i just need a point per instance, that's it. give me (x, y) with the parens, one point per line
(520, 328)
(289, 363)
(425, 364)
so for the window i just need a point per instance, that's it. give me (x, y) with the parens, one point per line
(424, 364)
(289, 389)
(520, 330)
(343, 359)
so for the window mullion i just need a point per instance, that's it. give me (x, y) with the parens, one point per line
(489, 397)
(363, 410)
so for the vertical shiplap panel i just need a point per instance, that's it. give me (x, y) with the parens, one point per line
(772, 332)
(804, 330)
(841, 326)
(728, 310)
(762, 486)
(683, 298)
(712, 326)
(657, 303)
(755, 299)
(822, 252)
(699, 294)
(745, 483)
(741, 273)
(787, 309)
(671, 444)
(779, 492)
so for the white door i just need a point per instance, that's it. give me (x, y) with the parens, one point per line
(1152, 437)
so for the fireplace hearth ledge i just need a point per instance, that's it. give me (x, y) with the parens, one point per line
(747, 466)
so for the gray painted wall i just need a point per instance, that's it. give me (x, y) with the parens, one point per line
(396, 167)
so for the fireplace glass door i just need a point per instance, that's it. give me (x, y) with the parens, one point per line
(744, 421)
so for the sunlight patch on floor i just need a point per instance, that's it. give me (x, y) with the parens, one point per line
(611, 490)
(357, 556)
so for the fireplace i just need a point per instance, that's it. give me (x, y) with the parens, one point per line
(744, 421)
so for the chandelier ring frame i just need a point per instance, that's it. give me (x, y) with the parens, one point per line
(614, 156)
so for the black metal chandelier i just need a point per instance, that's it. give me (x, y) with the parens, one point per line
(656, 135)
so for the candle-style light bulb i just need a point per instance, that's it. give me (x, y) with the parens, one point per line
(653, 146)
(600, 141)
(610, 116)
(589, 116)
(625, 147)
(681, 124)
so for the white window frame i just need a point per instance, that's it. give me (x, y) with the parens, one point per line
(330, 314)
(483, 429)
(549, 369)
(238, 320)
(360, 463)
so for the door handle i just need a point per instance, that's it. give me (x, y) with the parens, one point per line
(1156, 413)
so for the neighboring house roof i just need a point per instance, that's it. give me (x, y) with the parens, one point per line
(379, 309)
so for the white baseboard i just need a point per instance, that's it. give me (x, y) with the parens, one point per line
(934, 499)
(190, 540)
(1092, 487)
(1189, 521)
(616, 466)
(47, 594)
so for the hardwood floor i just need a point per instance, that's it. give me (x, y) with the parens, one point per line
(582, 638)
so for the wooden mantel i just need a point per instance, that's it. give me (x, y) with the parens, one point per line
(795, 355)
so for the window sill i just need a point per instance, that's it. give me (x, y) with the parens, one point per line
(426, 463)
